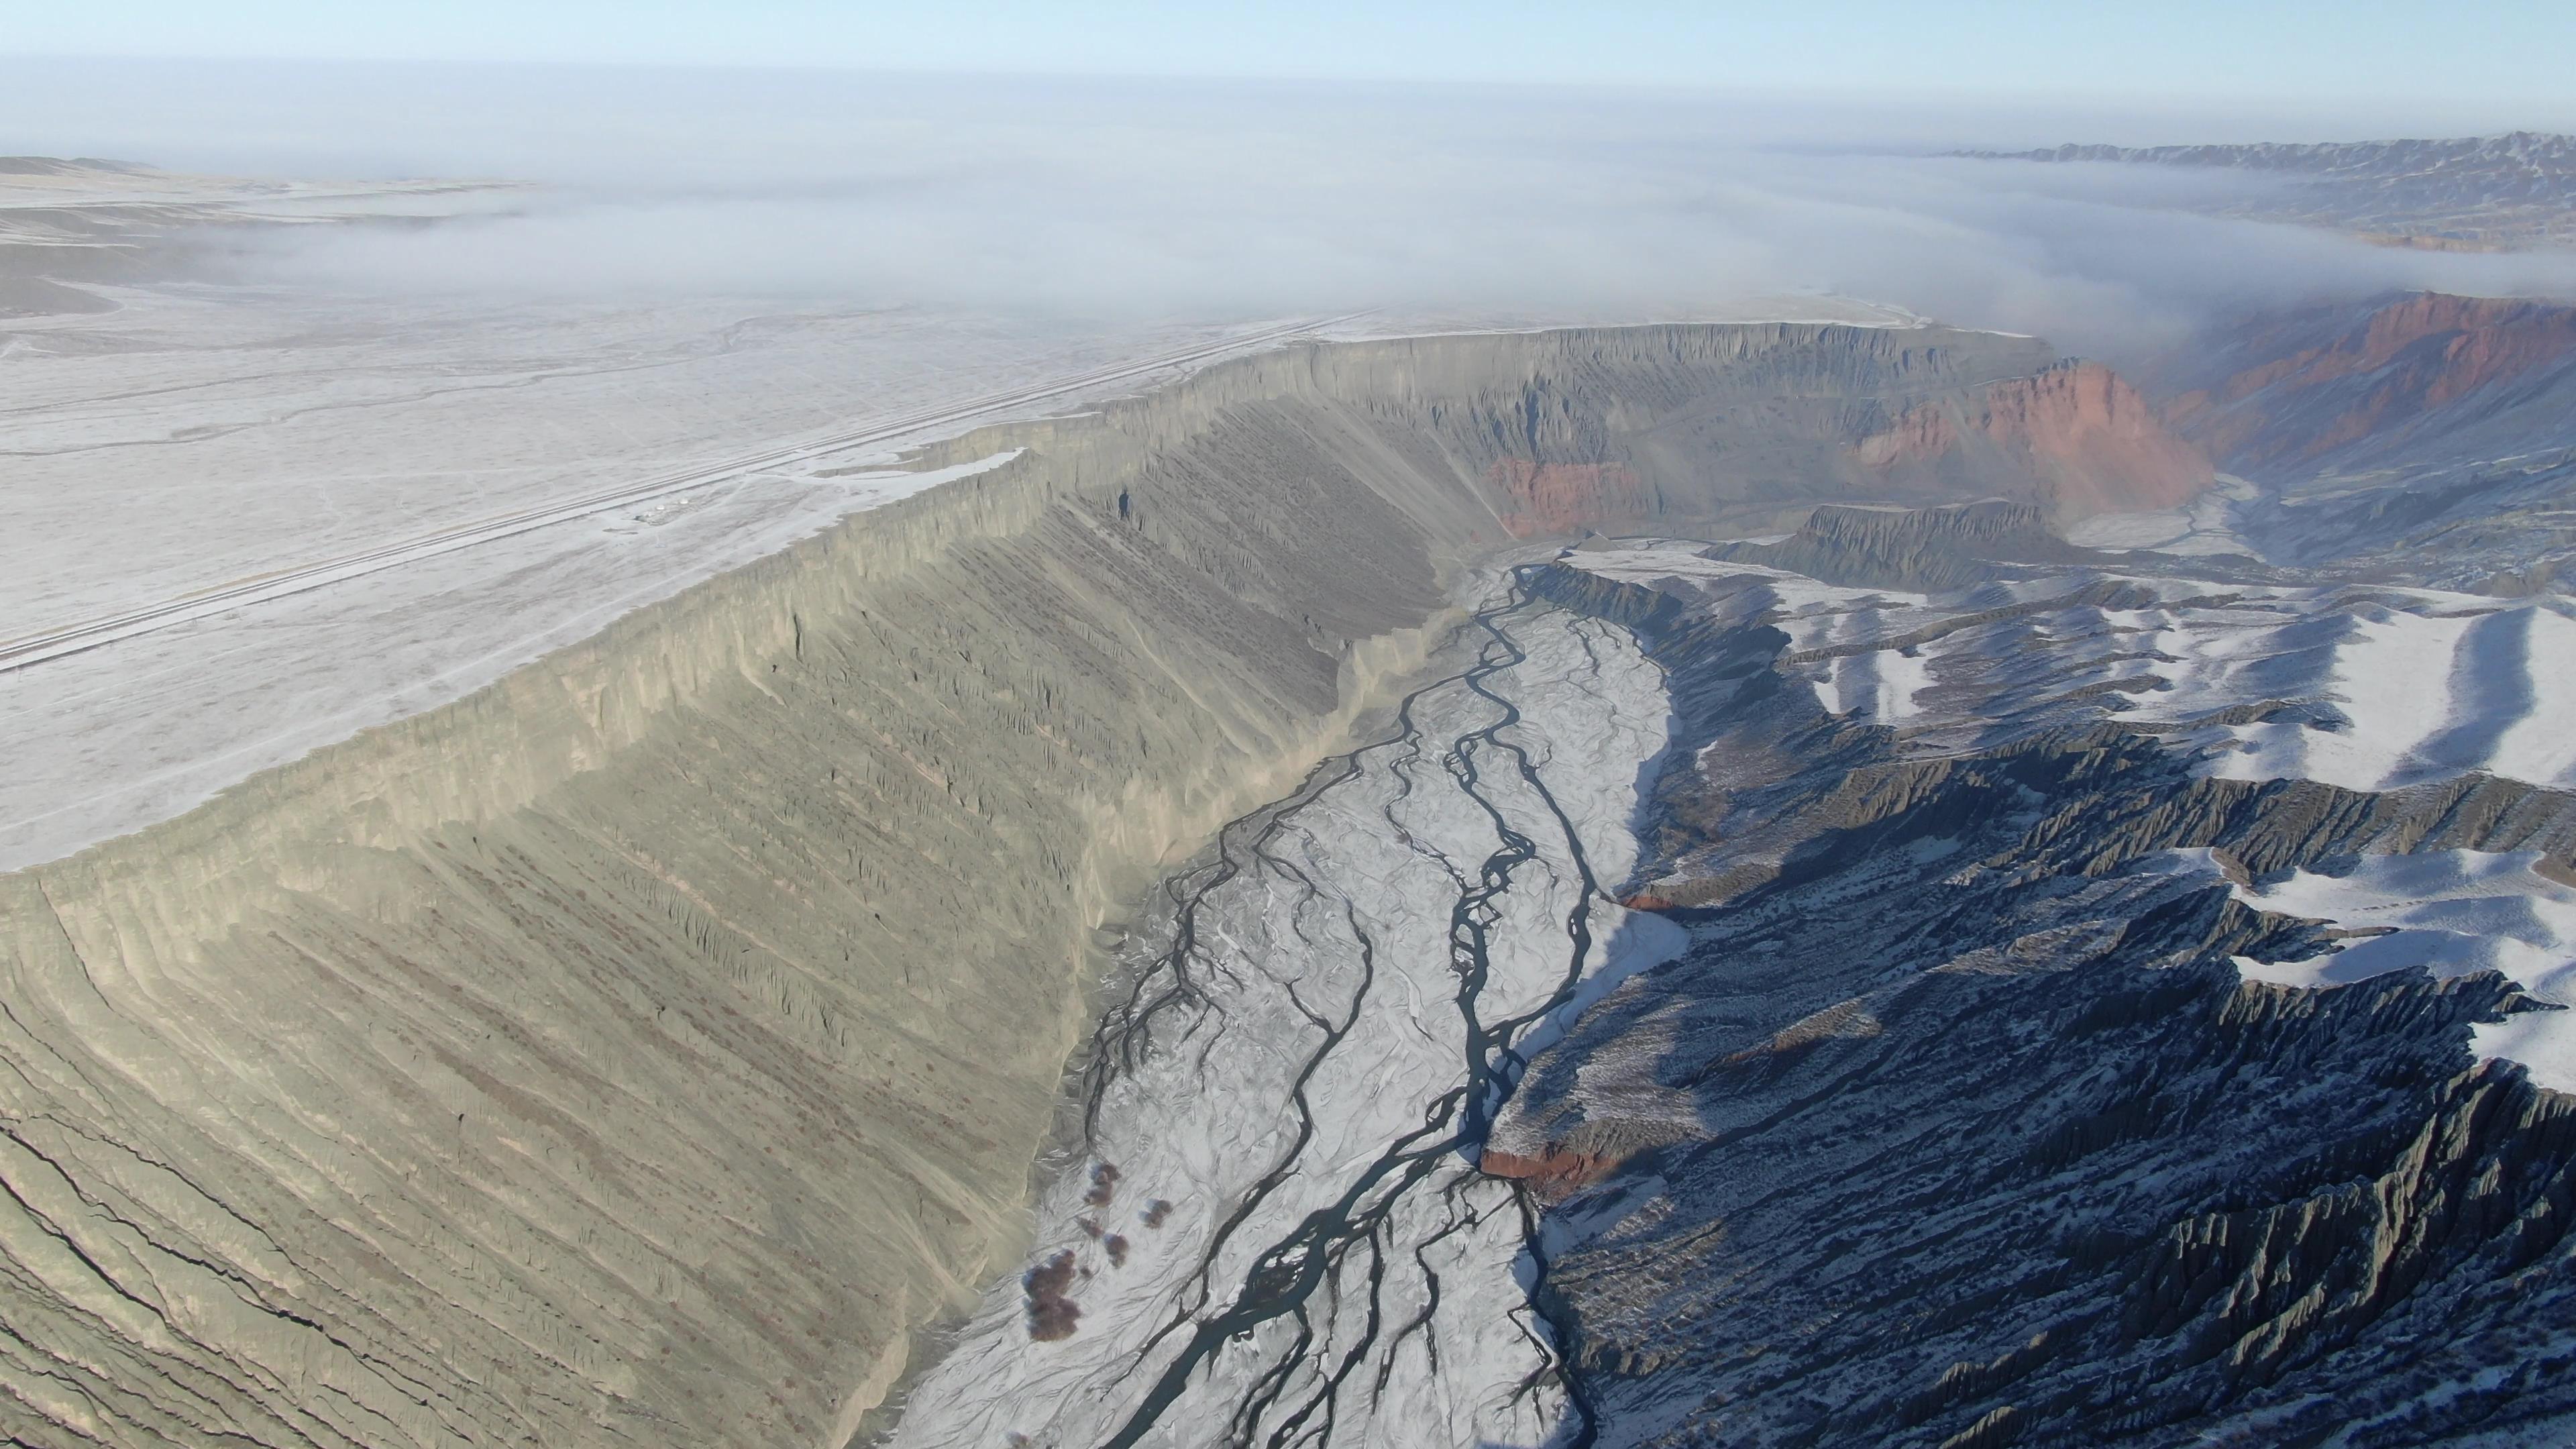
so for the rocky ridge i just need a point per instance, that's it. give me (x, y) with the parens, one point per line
(1967, 1118)
(1914, 548)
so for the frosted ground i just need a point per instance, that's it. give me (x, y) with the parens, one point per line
(201, 436)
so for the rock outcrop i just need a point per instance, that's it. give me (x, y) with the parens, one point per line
(2424, 438)
(2084, 438)
(1914, 548)
(1563, 498)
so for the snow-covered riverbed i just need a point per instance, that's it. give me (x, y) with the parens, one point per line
(1279, 1229)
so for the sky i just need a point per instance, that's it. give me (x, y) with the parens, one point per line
(2478, 63)
(1618, 161)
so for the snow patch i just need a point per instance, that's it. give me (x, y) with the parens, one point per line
(2448, 912)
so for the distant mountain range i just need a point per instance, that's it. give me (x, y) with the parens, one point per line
(2477, 193)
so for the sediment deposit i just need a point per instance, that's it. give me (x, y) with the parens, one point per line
(640, 1049)
(1283, 1231)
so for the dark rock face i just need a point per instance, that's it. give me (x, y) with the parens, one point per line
(1956, 1125)
(1913, 548)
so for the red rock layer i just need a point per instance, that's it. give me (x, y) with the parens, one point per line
(1551, 1175)
(2418, 354)
(1552, 498)
(2078, 430)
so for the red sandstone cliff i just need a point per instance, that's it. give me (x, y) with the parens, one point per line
(1554, 498)
(2077, 432)
(2308, 382)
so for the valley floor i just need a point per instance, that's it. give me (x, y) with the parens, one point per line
(1276, 1230)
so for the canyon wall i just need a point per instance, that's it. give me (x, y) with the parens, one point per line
(2423, 439)
(643, 1049)
(2283, 392)
(2079, 433)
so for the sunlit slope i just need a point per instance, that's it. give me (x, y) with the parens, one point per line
(637, 1050)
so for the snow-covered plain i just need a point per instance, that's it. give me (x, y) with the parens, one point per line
(111, 204)
(1277, 1232)
(200, 436)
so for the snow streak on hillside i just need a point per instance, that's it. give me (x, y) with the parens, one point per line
(2382, 687)
(2367, 689)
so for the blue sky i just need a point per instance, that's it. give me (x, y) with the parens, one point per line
(2487, 57)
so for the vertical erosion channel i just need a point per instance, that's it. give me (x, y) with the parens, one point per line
(1277, 1234)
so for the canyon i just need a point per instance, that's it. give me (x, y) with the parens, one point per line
(1633, 885)
(698, 994)
(2418, 438)
(2116, 1007)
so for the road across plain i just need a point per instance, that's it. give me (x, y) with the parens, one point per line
(79, 638)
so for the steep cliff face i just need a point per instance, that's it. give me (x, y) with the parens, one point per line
(2423, 438)
(1917, 417)
(2290, 390)
(2081, 435)
(1562, 498)
(641, 1049)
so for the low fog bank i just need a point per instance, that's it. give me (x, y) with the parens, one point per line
(1210, 200)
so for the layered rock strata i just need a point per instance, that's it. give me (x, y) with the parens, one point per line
(2288, 390)
(2085, 440)
(2424, 438)
(1913, 548)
